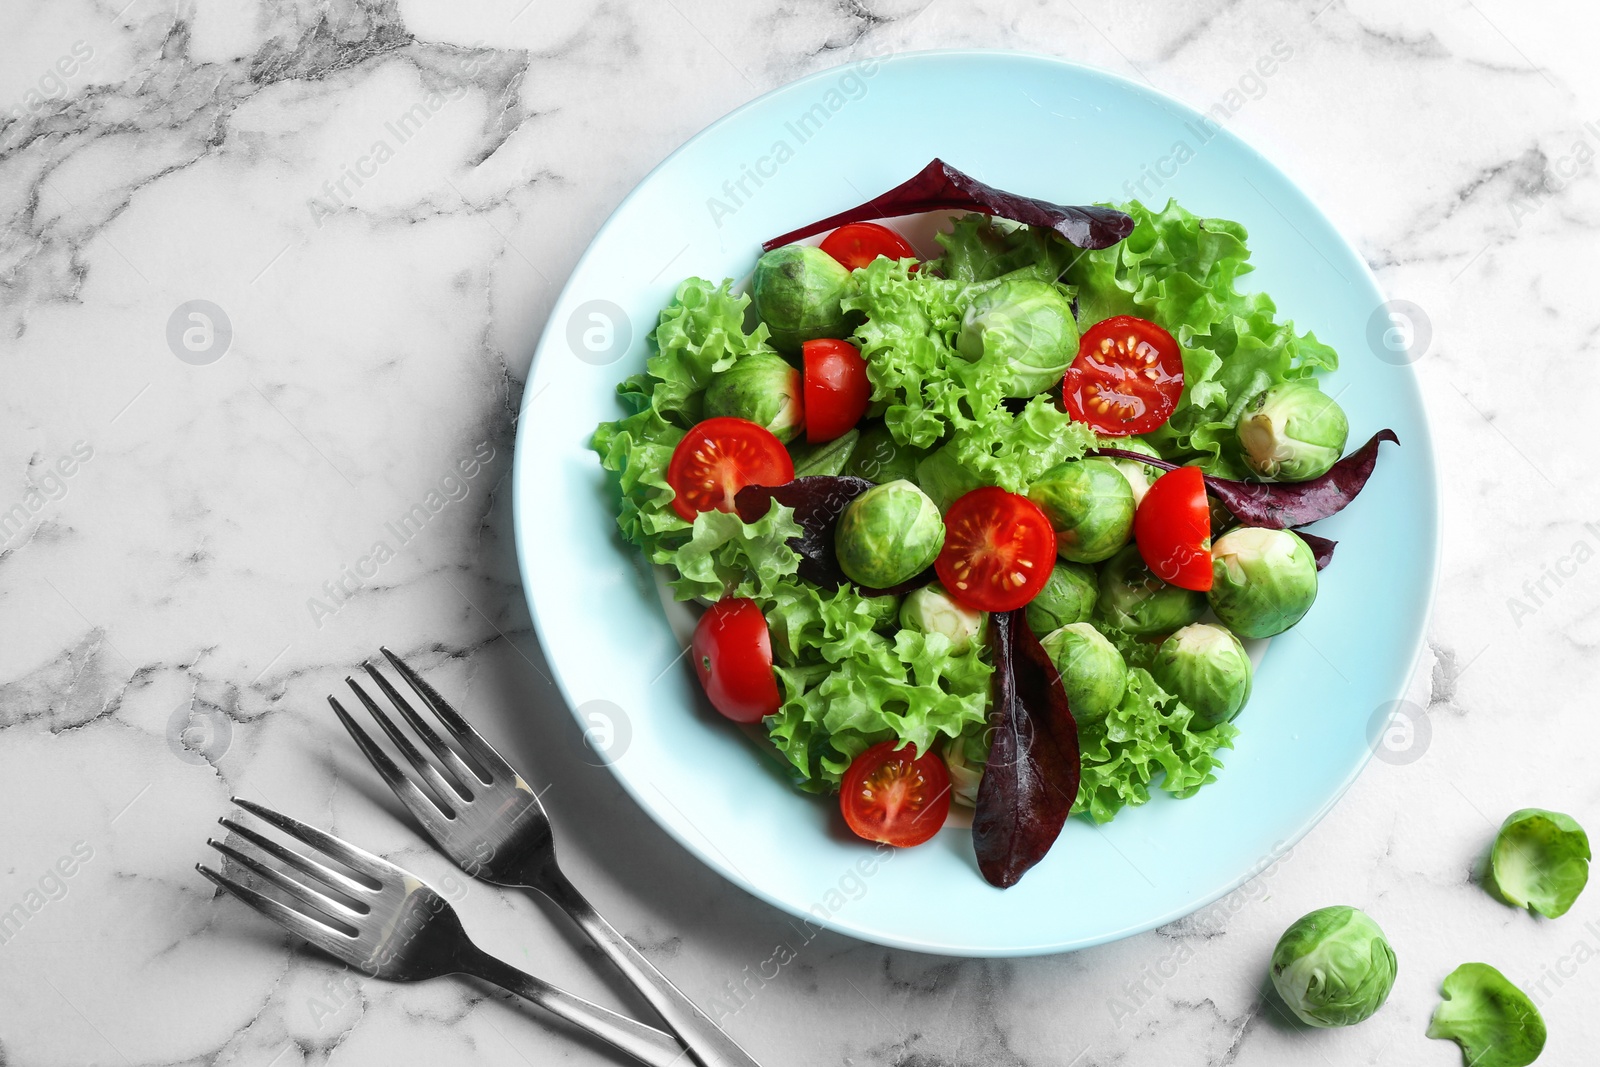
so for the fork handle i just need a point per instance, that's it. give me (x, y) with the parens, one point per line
(644, 1043)
(708, 1043)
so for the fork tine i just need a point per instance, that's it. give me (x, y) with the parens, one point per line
(378, 869)
(446, 755)
(446, 789)
(424, 807)
(468, 738)
(332, 941)
(335, 880)
(335, 911)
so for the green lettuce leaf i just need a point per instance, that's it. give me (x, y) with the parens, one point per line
(699, 333)
(851, 678)
(1012, 451)
(1182, 272)
(637, 449)
(908, 342)
(727, 556)
(1147, 740)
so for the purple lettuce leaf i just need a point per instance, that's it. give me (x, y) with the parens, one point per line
(940, 187)
(1321, 547)
(1031, 778)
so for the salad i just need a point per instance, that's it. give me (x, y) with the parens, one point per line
(985, 529)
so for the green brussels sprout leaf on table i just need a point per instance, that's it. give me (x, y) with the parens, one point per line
(1540, 861)
(1492, 1020)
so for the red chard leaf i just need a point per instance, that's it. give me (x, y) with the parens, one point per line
(818, 501)
(940, 187)
(1281, 505)
(1031, 778)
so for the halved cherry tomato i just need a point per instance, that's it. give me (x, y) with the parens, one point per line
(732, 652)
(1173, 529)
(836, 388)
(892, 795)
(856, 244)
(1127, 378)
(998, 550)
(721, 456)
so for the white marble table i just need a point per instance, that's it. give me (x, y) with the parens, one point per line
(161, 644)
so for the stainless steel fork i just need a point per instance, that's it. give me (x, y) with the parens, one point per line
(386, 923)
(483, 815)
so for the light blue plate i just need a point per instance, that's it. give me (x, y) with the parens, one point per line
(1048, 129)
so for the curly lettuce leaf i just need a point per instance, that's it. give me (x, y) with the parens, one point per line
(1149, 735)
(1012, 451)
(699, 333)
(908, 341)
(1182, 271)
(847, 684)
(726, 556)
(637, 450)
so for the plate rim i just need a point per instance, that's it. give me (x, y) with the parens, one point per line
(839, 923)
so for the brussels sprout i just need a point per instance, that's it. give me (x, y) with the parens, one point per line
(1492, 1020)
(1138, 474)
(1023, 331)
(888, 534)
(1134, 600)
(930, 610)
(878, 457)
(1093, 672)
(763, 388)
(1067, 597)
(964, 758)
(944, 479)
(1540, 861)
(1206, 667)
(1090, 504)
(1292, 432)
(1263, 581)
(1333, 967)
(797, 289)
(827, 457)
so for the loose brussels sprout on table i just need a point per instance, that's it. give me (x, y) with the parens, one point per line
(761, 388)
(1069, 596)
(1492, 1020)
(1292, 432)
(931, 610)
(1093, 672)
(1263, 581)
(1090, 504)
(1134, 600)
(888, 534)
(1207, 668)
(797, 289)
(1333, 967)
(1540, 861)
(1024, 329)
